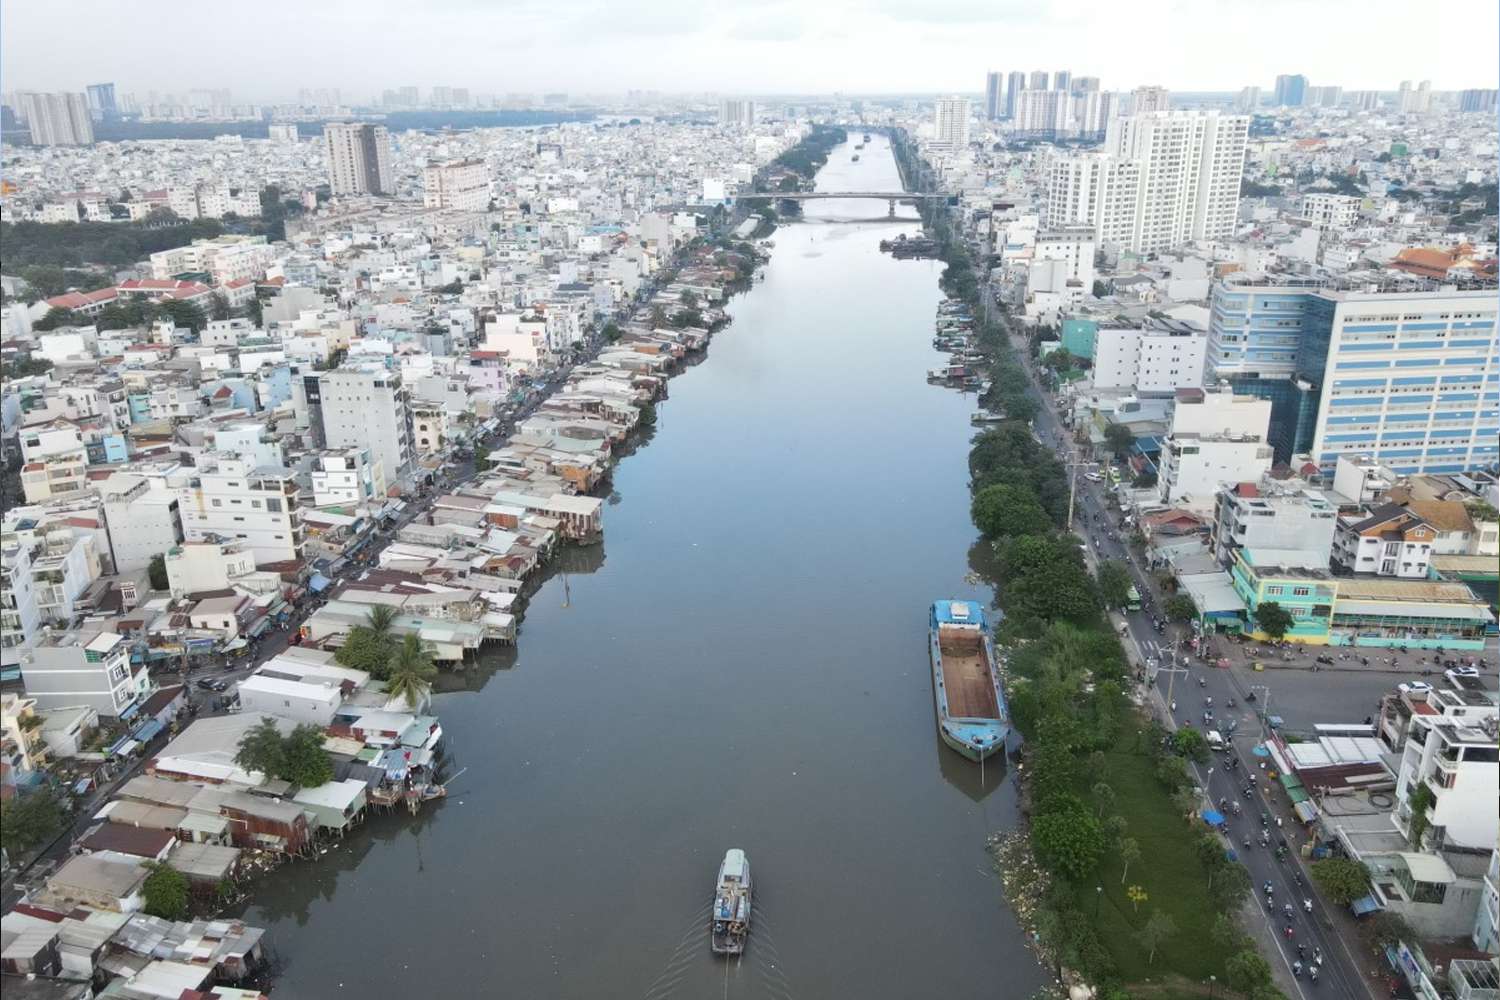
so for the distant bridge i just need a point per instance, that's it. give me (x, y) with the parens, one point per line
(890, 197)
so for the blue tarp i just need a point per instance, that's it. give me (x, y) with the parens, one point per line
(114, 747)
(130, 710)
(318, 583)
(1213, 817)
(1363, 905)
(147, 730)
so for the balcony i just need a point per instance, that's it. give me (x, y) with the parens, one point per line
(51, 597)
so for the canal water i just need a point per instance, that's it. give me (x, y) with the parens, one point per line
(742, 663)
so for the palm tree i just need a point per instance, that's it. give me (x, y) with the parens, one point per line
(380, 618)
(412, 671)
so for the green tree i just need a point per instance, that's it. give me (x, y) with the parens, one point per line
(262, 749)
(1272, 619)
(1180, 608)
(1246, 972)
(612, 332)
(1158, 929)
(1003, 510)
(1046, 582)
(1119, 439)
(1231, 884)
(1343, 879)
(218, 306)
(1114, 584)
(369, 645)
(29, 820)
(1420, 799)
(411, 671)
(1114, 829)
(304, 761)
(1225, 934)
(1069, 841)
(183, 313)
(1130, 853)
(166, 891)
(1185, 801)
(157, 570)
(658, 317)
(1100, 289)
(55, 318)
(688, 298)
(1104, 797)
(1189, 742)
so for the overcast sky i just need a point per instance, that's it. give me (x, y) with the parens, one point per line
(270, 48)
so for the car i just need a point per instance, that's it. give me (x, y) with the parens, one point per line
(206, 685)
(1093, 477)
(221, 685)
(1456, 672)
(1414, 687)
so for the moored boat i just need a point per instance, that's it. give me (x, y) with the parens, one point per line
(971, 713)
(730, 920)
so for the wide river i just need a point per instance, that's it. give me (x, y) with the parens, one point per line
(742, 663)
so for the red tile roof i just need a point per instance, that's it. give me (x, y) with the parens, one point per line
(80, 300)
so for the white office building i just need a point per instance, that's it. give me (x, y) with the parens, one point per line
(737, 113)
(68, 669)
(1158, 358)
(369, 409)
(1162, 180)
(1268, 515)
(951, 128)
(1149, 100)
(1215, 438)
(1410, 380)
(57, 119)
(1330, 211)
(230, 499)
(1043, 114)
(351, 476)
(359, 158)
(1457, 760)
(460, 185)
(141, 515)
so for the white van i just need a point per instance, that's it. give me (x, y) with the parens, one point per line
(1215, 741)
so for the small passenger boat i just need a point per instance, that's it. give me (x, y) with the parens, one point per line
(731, 914)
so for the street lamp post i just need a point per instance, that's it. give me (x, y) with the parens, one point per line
(1265, 709)
(1098, 895)
(1212, 982)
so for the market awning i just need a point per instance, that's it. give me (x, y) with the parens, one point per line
(147, 730)
(129, 710)
(1306, 811)
(1363, 905)
(259, 628)
(238, 642)
(318, 583)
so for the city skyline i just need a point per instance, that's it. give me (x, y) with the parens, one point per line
(837, 46)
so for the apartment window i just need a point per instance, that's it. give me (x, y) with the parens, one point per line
(218, 503)
(1300, 591)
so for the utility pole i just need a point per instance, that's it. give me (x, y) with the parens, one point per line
(1265, 709)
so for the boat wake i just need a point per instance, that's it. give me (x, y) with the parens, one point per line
(680, 961)
(689, 967)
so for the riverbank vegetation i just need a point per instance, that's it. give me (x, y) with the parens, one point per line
(808, 156)
(1133, 878)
